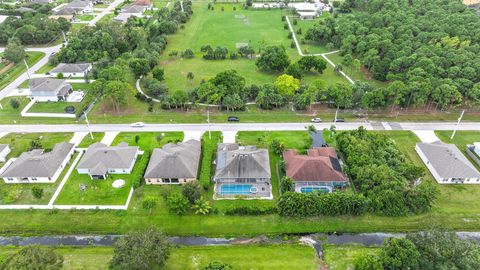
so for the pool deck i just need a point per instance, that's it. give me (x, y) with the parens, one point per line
(264, 192)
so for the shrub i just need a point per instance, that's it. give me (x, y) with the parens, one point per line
(14, 103)
(295, 21)
(286, 185)
(141, 167)
(158, 73)
(277, 147)
(187, 54)
(192, 191)
(216, 265)
(251, 211)
(201, 207)
(285, 26)
(299, 31)
(177, 204)
(368, 262)
(34, 257)
(37, 192)
(283, 18)
(149, 203)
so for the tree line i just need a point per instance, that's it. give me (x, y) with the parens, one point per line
(429, 49)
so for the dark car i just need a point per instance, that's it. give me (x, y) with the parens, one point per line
(339, 120)
(70, 109)
(233, 119)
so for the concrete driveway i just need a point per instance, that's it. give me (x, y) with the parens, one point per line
(427, 136)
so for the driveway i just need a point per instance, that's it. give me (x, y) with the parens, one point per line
(427, 136)
(109, 137)
(78, 137)
(229, 136)
(192, 135)
(3, 134)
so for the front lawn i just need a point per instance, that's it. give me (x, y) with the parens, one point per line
(148, 140)
(247, 257)
(87, 141)
(9, 76)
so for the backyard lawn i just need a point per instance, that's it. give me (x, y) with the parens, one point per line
(341, 257)
(259, 28)
(242, 257)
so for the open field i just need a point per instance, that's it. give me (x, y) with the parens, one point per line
(341, 257)
(259, 28)
(18, 69)
(244, 257)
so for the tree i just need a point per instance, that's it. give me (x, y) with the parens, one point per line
(399, 254)
(287, 85)
(143, 250)
(368, 262)
(14, 103)
(115, 93)
(341, 94)
(216, 265)
(201, 206)
(139, 66)
(246, 51)
(187, 54)
(149, 203)
(286, 184)
(311, 62)
(192, 191)
(14, 51)
(37, 192)
(33, 257)
(190, 76)
(233, 102)
(277, 147)
(35, 144)
(231, 81)
(295, 71)
(273, 58)
(177, 204)
(347, 61)
(158, 73)
(269, 98)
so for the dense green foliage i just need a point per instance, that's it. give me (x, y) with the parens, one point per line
(382, 174)
(33, 257)
(216, 265)
(148, 249)
(431, 46)
(32, 28)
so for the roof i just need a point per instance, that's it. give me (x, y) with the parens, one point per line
(448, 160)
(78, 4)
(71, 68)
(99, 158)
(41, 1)
(38, 163)
(123, 17)
(3, 147)
(65, 11)
(234, 161)
(175, 161)
(320, 164)
(133, 9)
(143, 3)
(47, 85)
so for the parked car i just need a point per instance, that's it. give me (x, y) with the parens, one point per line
(339, 120)
(138, 124)
(233, 119)
(316, 120)
(70, 109)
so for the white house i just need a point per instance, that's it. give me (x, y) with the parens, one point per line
(100, 160)
(4, 151)
(71, 70)
(38, 166)
(48, 89)
(447, 163)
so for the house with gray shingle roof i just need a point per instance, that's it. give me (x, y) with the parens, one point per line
(242, 171)
(47, 89)
(38, 166)
(100, 160)
(4, 151)
(71, 70)
(174, 163)
(447, 163)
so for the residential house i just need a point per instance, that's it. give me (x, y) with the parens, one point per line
(41, 1)
(242, 171)
(133, 10)
(306, 11)
(319, 170)
(100, 160)
(48, 89)
(447, 163)
(76, 7)
(174, 163)
(38, 166)
(72, 70)
(4, 151)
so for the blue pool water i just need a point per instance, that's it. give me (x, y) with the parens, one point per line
(235, 189)
(312, 189)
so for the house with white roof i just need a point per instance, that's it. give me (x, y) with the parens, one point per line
(4, 151)
(72, 70)
(48, 89)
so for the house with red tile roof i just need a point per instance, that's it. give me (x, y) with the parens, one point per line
(319, 170)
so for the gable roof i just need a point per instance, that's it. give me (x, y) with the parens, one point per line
(71, 68)
(175, 161)
(38, 163)
(47, 85)
(448, 160)
(99, 158)
(320, 164)
(234, 161)
(78, 4)
(133, 8)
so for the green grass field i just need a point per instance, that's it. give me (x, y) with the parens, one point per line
(242, 257)
(259, 28)
(18, 69)
(87, 141)
(341, 257)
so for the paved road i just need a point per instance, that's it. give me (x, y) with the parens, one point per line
(107, 10)
(228, 127)
(20, 79)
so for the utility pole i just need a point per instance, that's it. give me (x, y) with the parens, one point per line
(28, 73)
(88, 126)
(208, 121)
(336, 113)
(458, 123)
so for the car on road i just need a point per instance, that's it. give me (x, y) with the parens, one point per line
(233, 119)
(138, 124)
(339, 120)
(316, 120)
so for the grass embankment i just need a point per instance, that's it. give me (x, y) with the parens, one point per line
(19, 68)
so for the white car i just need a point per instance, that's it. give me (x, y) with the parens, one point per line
(138, 124)
(316, 120)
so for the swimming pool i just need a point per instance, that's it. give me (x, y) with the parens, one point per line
(312, 189)
(237, 189)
